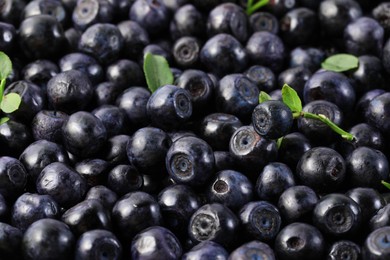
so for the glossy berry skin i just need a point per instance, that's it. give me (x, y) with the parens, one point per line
(7, 37)
(217, 128)
(316, 131)
(89, 12)
(366, 167)
(162, 49)
(295, 77)
(114, 151)
(47, 124)
(40, 154)
(213, 222)
(69, 91)
(84, 63)
(10, 241)
(381, 14)
(33, 100)
(251, 150)
(87, 215)
(93, 170)
(105, 93)
(14, 138)
(228, 18)
(125, 73)
(369, 200)
(337, 215)
(134, 101)
(147, 148)
(223, 54)
(264, 21)
(156, 242)
(299, 26)
(224, 161)
(206, 250)
(31, 32)
(266, 49)
(297, 203)
(273, 180)
(187, 21)
(322, 169)
(380, 219)
(344, 249)
(31, 207)
(106, 196)
(261, 220)
(4, 209)
(169, 106)
(272, 119)
(83, 134)
(67, 187)
(98, 244)
(293, 146)
(376, 245)
(135, 38)
(123, 179)
(364, 36)
(330, 86)
(310, 58)
(377, 112)
(13, 177)
(344, 12)
(186, 52)
(178, 203)
(134, 212)
(190, 160)
(364, 101)
(230, 188)
(386, 56)
(48, 238)
(237, 95)
(262, 76)
(252, 250)
(50, 7)
(103, 41)
(40, 72)
(299, 241)
(113, 118)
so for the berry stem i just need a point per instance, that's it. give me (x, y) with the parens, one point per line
(2, 85)
(250, 8)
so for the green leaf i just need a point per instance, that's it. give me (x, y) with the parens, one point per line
(253, 7)
(291, 98)
(157, 71)
(5, 65)
(264, 97)
(4, 120)
(340, 62)
(10, 102)
(279, 141)
(386, 184)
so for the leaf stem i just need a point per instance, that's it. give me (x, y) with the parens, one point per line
(251, 8)
(2, 85)
(332, 125)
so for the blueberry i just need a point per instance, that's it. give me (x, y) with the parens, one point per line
(187, 21)
(113, 118)
(48, 239)
(135, 38)
(213, 222)
(377, 245)
(280, 7)
(3, 209)
(272, 119)
(83, 134)
(62, 183)
(253, 250)
(366, 167)
(292, 147)
(10, 241)
(273, 180)
(69, 91)
(123, 179)
(322, 169)
(93, 170)
(156, 242)
(224, 161)
(308, 57)
(337, 215)
(186, 52)
(40, 154)
(223, 54)
(230, 188)
(87, 215)
(381, 218)
(297, 204)
(377, 112)
(134, 212)
(98, 244)
(13, 177)
(11, 12)
(295, 77)
(262, 76)
(114, 151)
(105, 93)
(206, 250)
(40, 72)
(344, 249)
(190, 160)
(381, 14)
(158, 49)
(125, 73)
(106, 196)
(72, 36)
(49, 7)
(299, 241)
(14, 138)
(264, 21)
(364, 102)
(89, 12)
(169, 106)
(121, 9)
(47, 124)
(7, 37)
(261, 220)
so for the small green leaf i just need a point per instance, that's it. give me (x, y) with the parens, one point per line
(157, 71)
(386, 184)
(253, 7)
(264, 97)
(5, 65)
(291, 98)
(340, 62)
(4, 120)
(279, 141)
(10, 102)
